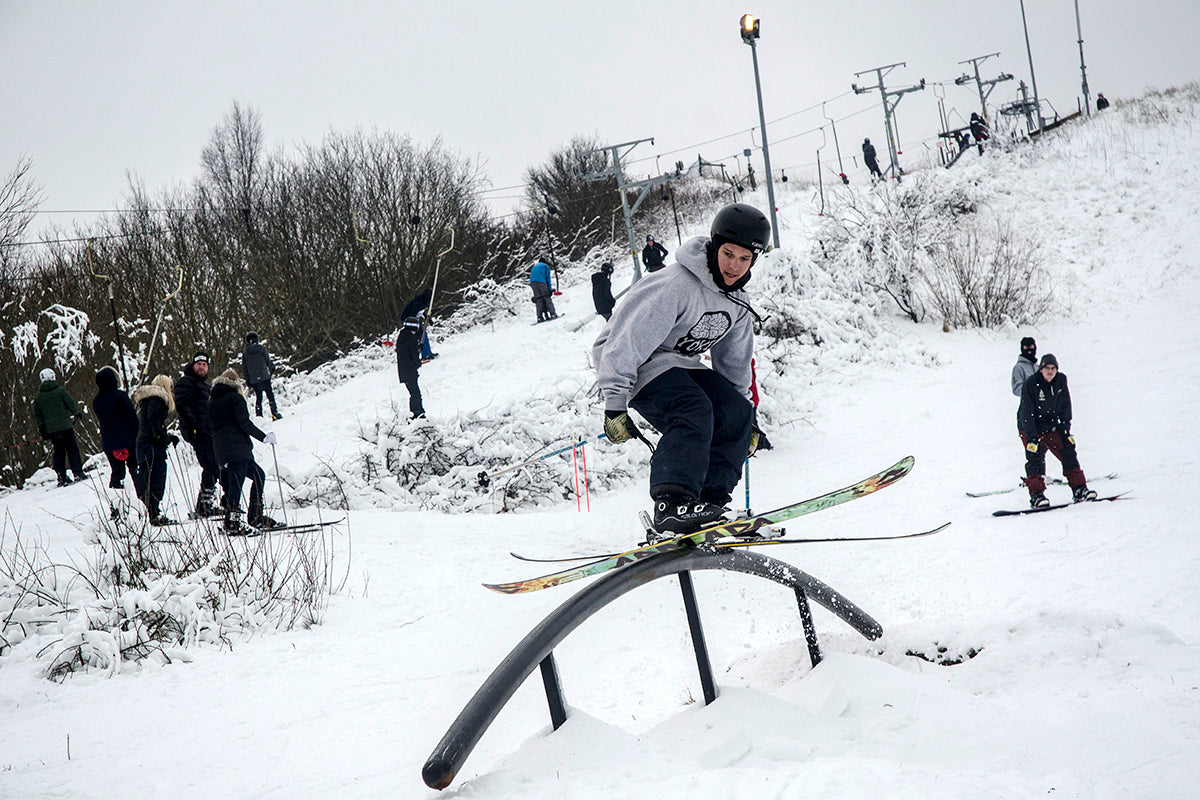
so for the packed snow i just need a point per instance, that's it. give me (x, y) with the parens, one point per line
(1052, 655)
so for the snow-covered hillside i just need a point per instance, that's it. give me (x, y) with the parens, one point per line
(1076, 630)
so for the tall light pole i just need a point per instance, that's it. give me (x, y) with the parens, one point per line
(1032, 76)
(750, 36)
(1087, 103)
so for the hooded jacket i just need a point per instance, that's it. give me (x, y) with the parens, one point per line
(667, 320)
(191, 403)
(229, 421)
(256, 362)
(408, 352)
(1045, 406)
(153, 403)
(54, 409)
(115, 413)
(1024, 367)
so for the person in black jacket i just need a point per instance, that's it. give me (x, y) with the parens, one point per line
(979, 129)
(1101, 102)
(870, 160)
(1044, 420)
(408, 362)
(191, 403)
(257, 364)
(229, 420)
(118, 427)
(154, 403)
(653, 255)
(602, 294)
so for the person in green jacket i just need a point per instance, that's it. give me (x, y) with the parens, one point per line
(56, 412)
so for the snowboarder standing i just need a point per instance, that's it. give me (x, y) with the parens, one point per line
(154, 403)
(408, 362)
(1026, 365)
(602, 295)
(191, 403)
(869, 159)
(539, 281)
(56, 412)
(257, 363)
(654, 255)
(229, 420)
(1044, 420)
(118, 427)
(648, 359)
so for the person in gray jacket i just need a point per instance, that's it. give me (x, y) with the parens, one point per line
(1026, 365)
(648, 358)
(257, 364)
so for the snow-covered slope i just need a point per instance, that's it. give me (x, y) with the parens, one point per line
(1085, 671)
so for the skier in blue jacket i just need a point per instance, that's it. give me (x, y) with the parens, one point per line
(648, 359)
(539, 281)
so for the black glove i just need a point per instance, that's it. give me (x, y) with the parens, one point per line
(618, 427)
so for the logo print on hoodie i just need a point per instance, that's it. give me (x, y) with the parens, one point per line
(709, 330)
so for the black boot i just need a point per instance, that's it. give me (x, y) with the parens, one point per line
(678, 511)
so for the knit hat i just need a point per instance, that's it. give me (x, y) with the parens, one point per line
(46, 375)
(1048, 360)
(201, 356)
(1028, 342)
(649, 238)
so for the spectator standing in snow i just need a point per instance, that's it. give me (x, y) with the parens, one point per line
(56, 412)
(118, 427)
(419, 307)
(257, 363)
(408, 362)
(539, 281)
(1026, 365)
(602, 295)
(154, 403)
(869, 159)
(1044, 421)
(191, 403)
(648, 359)
(229, 420)
(1101, 102)
(653, 255)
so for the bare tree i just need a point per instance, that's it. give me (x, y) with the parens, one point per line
(20, 197)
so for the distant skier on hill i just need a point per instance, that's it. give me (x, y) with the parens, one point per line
(648, 358)
(1044, 421)
(56, 412)
(229, 419)
(602, 295)
(408, 363)
(154, 403)
(870, 160)
(191, 393)
(118, 427)
(653, 255)
(979, 129)
(1101, 102)
(256, 361)
(419, 307)
(539, 282)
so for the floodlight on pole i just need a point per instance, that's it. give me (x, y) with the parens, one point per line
(749, 31)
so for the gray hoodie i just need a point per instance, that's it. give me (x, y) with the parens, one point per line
(667, 320)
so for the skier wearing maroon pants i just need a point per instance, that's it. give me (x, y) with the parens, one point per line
(1044, 420)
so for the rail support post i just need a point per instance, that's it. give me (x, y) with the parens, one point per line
(693, 617)
(558, 709)
(810, 630)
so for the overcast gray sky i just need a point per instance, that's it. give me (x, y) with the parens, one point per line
(93, 90)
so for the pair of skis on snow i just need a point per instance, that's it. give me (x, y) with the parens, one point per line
(728, 534)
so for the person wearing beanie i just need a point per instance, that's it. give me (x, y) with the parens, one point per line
(1026, 365)
(154, 403)
(1044, 422)
(118, 427)
(55, 413)
(543, 292)
(654, 255)
(191, 402)
(229, 421)
(602, 296)
(408, 362)
(647, 359)
(257, 364)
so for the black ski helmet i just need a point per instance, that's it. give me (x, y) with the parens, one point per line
(251, 337)
(742, 224)
(607, 267)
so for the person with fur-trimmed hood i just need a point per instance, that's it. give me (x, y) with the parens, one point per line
(191, 403)
(648, 359)
(118, 427)
(154, 403)
(229, 421)
(55, 412)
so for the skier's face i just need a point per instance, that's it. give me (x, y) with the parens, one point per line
(733, 261)
(200, 368)
(1049, 371)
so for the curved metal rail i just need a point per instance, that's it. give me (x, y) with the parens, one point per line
(538, 645)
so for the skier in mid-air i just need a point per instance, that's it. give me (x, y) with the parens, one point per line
(648, 359)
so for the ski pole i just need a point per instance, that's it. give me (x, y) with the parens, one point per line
(747, 486)
(486, 477)
(587, 492)
(279, 483)
(575, 469)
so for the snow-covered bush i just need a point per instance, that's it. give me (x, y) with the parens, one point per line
(148, 593)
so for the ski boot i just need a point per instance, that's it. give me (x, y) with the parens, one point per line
(677, 513)
(1038, 500)
(264, 523)
(160, 520)
(1082, 494)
